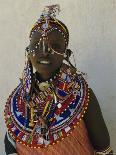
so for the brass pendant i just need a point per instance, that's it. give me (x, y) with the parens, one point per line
(44, 86)
(31, 123)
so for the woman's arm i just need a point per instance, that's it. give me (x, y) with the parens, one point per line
(94, 121)
(10, 146)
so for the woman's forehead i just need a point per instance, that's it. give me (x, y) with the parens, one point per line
(52, 35)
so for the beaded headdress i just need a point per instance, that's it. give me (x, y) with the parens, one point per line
(48, 22)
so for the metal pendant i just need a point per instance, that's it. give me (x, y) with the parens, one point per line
(44, 86)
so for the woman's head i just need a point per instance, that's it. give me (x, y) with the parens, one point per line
(48, 43)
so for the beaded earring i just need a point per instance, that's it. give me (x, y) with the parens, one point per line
(75, 65)
(67, 55)
(27, 78)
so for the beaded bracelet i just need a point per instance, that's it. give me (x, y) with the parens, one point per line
(104, 152)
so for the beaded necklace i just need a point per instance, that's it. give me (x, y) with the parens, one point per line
(54, 110)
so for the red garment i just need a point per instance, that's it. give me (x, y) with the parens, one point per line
(77, 143)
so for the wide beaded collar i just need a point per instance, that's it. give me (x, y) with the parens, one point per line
(51, 114)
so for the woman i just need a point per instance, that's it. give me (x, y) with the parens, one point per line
(53, 108)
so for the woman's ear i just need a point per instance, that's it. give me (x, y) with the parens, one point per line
(68, 52)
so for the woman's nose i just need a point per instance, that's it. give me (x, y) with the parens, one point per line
(45, 47)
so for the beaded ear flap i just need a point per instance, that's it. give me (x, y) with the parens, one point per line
(27, 78)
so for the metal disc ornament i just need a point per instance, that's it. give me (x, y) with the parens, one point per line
(43, 86)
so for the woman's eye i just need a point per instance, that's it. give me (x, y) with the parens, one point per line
(56, 46)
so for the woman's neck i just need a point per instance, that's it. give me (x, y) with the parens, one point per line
(46, 76)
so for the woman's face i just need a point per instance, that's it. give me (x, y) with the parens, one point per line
(42, 57)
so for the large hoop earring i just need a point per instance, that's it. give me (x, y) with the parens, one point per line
(75, 66)
(68, 53)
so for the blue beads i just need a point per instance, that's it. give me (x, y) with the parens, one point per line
(61, 93)
(16, 132)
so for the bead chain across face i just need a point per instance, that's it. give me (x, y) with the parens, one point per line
(45, 37)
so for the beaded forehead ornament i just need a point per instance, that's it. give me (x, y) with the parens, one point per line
(48, 23)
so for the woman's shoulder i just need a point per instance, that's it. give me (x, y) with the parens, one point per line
(96, 126)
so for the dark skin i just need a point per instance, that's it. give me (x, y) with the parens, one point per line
(93, 118)
(57, 43)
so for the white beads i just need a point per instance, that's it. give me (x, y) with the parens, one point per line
(59, 105)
